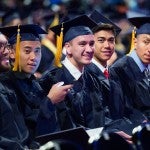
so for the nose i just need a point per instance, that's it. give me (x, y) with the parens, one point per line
(106, 43)
(32, 56)
(90, 48)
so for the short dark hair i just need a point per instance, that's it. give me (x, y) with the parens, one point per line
(104, 26)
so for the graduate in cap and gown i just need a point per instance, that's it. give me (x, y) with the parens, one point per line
(84, 102)
(78, 41)
(22, 99)
(105, 33)
(133, 71)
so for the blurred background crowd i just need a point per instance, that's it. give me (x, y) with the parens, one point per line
(40, 12)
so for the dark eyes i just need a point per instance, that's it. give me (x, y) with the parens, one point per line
(102, 40)
(3, 46)
(146, 42)
(27, 51)
(85, 43)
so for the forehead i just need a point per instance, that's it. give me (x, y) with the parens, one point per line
(89, 37)
(2, 38)
(145, 36)
(30, 43)
(103, 33)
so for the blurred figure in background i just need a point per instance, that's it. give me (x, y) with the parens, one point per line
(11, 18)
(48, 43)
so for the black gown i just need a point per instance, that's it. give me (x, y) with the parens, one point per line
(85, 102)
(111, 91)
(22, 102)
(135, 86)
(75, 100)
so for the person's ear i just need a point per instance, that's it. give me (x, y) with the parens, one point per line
(68, 47)
(135, 43)
(12, 54)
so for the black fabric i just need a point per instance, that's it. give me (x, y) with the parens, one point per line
(112, 94)
(77, 99)
(77, 136)
(135, 87)
(22, 102)
(85, 101)
(111, 141)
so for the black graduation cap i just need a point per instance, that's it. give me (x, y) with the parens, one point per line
(142, 24)
(29, 32)
(10, 16)
(75, 27)
(77, 135)
(66, 31)
(99, 18)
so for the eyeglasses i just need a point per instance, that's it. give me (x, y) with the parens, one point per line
(3, 46)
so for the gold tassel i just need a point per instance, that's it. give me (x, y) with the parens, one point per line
(17, 57)
(132, 40)
(58, 54)
(55, 21)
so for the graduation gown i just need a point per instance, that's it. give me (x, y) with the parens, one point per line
(78, 98)
(22, 102)
(135, 86)
(111, 91)
(85, 102)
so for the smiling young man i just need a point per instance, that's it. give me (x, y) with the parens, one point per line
(85, 100)
(82, 98)
(113, 101)
(22, 99)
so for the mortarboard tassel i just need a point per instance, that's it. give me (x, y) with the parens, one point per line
(132, 39)
(55, 21)
(17, 57)
(58, 54)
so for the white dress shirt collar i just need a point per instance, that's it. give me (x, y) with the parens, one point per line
(102, 68)
(72, 69)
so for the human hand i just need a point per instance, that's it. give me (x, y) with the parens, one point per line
(127, 137)
(58, 92)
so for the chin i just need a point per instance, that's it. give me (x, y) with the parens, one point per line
(87, 63)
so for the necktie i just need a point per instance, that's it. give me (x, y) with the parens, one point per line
(106, 73)
(147, 73)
